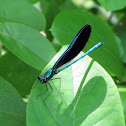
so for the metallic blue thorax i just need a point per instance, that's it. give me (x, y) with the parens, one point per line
(49, 74)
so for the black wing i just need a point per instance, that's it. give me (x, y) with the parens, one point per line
(75, 46)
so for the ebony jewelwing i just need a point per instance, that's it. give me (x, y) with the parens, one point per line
(70, 53)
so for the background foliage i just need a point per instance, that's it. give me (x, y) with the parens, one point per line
(31, 34)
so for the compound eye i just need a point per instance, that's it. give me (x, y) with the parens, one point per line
(41, 81)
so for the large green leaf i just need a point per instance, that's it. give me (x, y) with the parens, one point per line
(93, 102)
(111, 5)
(12, 107)
(27, 43)
(17, 11)
(18, 73)
(67, 24)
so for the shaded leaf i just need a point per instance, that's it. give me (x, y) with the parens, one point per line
(12, 107)
(122, 35)
(18, 73)
(51, 8)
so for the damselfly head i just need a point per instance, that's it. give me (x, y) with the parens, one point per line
(42, 79)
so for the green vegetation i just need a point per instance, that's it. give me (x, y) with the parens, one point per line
(33, 34)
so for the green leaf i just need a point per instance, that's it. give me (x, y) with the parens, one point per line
(107, 55)
(112, 5)
(122, 34)
(33, 1)
(18, 73)
(27, 43)
(12, 107)
(17, 11)
(122, 92)
(94, 101)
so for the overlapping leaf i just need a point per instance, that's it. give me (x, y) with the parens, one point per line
(27, 43)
